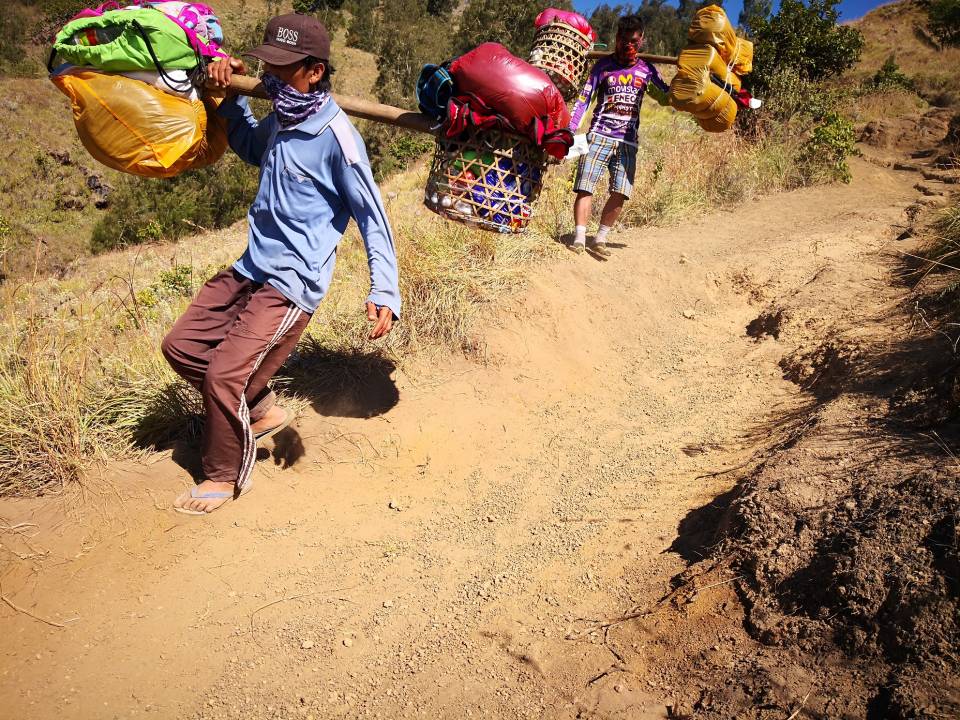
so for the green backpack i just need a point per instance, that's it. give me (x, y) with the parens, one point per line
(125, 40)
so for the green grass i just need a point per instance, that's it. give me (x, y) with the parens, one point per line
(44, 191)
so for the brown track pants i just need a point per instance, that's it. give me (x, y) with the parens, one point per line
(230, 341)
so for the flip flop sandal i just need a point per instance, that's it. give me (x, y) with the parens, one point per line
(215, 495)
(264, 434)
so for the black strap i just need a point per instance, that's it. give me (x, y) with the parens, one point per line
(197, 75)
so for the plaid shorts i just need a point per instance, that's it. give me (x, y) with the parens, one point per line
(618, 157)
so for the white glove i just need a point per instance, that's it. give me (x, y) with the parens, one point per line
(580, 147)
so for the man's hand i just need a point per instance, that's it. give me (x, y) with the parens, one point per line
(383, 319)
(220, 72)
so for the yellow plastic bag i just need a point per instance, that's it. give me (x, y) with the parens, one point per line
(711, 26)
(742, 61)
(692, 89)
(720, 115)
(131, 126)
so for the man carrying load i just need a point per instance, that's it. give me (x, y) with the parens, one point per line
(619, 82)
(314, 176)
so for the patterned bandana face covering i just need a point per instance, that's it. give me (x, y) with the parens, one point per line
(291, 105)
(627, 52)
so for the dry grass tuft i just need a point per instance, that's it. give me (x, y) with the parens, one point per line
(944, 249)
(681, 169)
(865, 108)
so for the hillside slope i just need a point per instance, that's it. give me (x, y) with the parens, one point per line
(900, 29)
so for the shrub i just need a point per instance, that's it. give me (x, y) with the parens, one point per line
(390, 149)
(939, 88)
(365, 29)
(889, 77)
(50, 15)
(407, 147)
(806, 115)
(327, 11)
(313, 6)
(406, 35)
(405, 47)
(824, 156)
(753, 14)
(806, 39)
(143, 210)
(944, 18)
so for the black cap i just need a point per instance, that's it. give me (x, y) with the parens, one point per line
(291, 38)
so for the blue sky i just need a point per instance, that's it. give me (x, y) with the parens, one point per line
(849, 9)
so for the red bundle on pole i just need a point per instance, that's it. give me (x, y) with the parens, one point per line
(524, 95)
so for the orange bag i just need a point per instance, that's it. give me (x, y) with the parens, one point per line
(131, 126)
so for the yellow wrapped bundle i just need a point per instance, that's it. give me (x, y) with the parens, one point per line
(131, 126)
(711, 26)
(708, 70)
(692, 89)
(742, 61)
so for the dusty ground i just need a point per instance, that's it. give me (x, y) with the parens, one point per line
(466, 540)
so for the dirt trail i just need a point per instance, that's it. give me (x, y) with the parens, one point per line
(444, 557)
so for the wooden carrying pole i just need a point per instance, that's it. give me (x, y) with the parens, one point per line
(378, 112)
(662, 59)
(364, 109)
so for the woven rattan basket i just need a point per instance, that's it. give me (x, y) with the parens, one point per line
(561, 52)
(486, 179)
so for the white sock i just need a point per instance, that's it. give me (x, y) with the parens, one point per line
(580, 237)
(602, 234)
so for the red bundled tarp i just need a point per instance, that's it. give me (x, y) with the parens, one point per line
(495, 87)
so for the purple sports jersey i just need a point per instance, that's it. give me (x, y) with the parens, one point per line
(620, 91)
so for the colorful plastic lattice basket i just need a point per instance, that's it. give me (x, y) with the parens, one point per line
(486, 179)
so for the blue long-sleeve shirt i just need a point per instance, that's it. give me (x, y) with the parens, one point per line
(314, 176)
